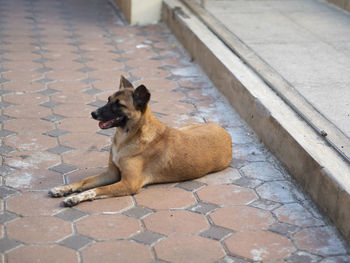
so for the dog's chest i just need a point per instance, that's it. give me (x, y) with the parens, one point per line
(118, 154)
(115, 155)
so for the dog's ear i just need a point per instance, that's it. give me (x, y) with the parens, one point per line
(141, 97)
(124, 83)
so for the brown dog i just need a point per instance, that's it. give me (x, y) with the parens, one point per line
(145, 151)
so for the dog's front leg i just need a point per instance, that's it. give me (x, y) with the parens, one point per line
(121, 188)
(131, 182)
(112, 175)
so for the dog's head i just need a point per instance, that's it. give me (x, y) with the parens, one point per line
(125, 106)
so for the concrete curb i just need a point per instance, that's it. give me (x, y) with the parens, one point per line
(317, 167)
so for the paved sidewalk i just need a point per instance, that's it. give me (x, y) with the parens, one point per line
(59, 60)
(307, 42)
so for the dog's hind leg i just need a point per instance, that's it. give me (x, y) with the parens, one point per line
(110, 176)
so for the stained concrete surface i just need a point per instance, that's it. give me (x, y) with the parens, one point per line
(305, 41)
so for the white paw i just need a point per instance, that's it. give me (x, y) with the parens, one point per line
(76, 199)
(60, 191)
(71, 201)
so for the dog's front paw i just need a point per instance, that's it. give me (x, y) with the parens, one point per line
(60, 191)
(78, 198)
(71, 201)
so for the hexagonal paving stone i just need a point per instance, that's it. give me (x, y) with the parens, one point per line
(7, 244)
(284, 229)
(247, 182)
(81, 125)
(242, 218)
(52, 118)
(107, 206)
(48, 91)
(151, 72)
(70, 214)
(178, 107)
(30, 141)
(216, 232)
(33, 204)
(160, 94)
(69, 86)
(176, 222)
(203, 208)
(64, 75)
(59, 149)
(262, 170)
(76, 242)
(6, 191)
(227, 176)
(4, 149)
(5, 217)
(56, 132)
(4, 133)
(301, 257)
(320, 240)
(280, 191)
(265, 204)
(249, 152)
(46, 253)
(69, 97)
(34, 179)
(39, 229)
(63, 168)
(28, 125)
(190, 185)
(63, 64)
(189, 249)
(74, 110)
(147, 237)
(164, 197)
(338, 259)
(226, 195)
(85, 141)
(137, 212)
(50, 104)
(21, 98)
(30, 87)
(26, 111)
(259, 245)
(32, 160)
(22, 76)
(108, 226)
(91, 158)
(4, 118)
(297, 215)
(118, 251)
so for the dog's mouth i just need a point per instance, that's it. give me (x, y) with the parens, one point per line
(112, 123)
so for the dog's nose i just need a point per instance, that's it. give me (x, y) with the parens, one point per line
(94, 115)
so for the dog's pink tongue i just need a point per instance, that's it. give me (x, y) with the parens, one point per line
(104, 124)
(101, 124)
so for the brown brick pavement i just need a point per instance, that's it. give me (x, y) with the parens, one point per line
(61, 59)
